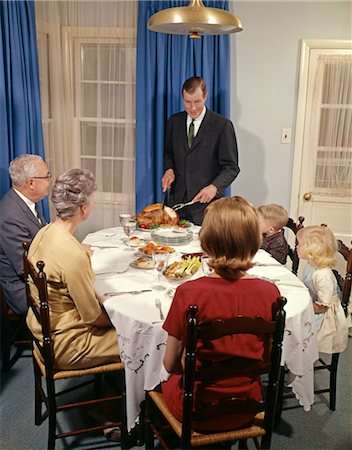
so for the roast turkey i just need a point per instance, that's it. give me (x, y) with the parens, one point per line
(154, 214)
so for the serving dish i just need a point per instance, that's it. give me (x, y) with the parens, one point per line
(142, 263)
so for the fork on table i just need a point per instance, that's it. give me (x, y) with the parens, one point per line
(158, 306)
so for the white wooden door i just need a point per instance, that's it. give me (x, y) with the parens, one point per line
(322, 171)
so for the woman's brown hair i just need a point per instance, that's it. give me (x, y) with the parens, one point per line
(230, 236)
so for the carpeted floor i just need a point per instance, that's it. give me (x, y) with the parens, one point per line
(318, 429)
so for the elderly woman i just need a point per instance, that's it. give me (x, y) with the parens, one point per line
(230, 236)
(82, 333)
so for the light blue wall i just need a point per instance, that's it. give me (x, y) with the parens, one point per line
(265, 65)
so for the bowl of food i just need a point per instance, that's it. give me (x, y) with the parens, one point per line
(181, 270)
(152, 247)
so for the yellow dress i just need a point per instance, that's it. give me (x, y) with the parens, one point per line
(72, 301)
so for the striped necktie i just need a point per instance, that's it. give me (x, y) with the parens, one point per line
(190, 134)
(40, 218)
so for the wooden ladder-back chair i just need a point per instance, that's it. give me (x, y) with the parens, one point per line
(43, 360)
(292, 251)
(14, 333)
(264, 411)
(345, 298)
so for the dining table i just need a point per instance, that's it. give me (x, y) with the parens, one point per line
(137, 306)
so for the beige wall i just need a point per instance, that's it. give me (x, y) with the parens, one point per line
(264, 74)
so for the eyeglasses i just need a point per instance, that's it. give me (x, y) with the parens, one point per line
(47, 177)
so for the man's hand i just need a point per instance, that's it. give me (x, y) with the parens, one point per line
(167, 179)
(206, 194)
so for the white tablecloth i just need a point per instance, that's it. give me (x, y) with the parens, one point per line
(137, 320)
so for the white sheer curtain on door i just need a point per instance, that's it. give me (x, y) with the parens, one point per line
(87, 58)
(331, 126)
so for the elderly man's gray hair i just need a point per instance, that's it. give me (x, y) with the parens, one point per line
(24, 167)
(71, 190)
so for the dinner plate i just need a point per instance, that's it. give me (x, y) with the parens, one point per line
(141, 243)
(167, 236)
(136, 266)
(157, 249)
(179, 278)
(143, 229)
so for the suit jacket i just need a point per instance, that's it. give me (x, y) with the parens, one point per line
(17, 224)
(213, 158)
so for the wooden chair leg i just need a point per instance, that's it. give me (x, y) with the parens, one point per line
(5, 344)
(148, 432)
(37, 395)
(52, 415)
(333, 380)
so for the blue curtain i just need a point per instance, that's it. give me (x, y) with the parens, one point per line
(20, 124)
(164, 62)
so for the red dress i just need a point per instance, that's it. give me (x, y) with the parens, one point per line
(217, 298)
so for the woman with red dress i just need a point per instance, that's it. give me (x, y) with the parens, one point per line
(230, 237)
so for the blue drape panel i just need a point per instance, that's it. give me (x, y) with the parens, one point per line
(20, 124)
(164, 62)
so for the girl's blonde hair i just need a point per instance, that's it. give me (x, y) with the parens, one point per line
(230, 236)
(317, 244)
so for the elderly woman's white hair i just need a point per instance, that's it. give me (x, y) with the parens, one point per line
(23, 167)
(71, 190)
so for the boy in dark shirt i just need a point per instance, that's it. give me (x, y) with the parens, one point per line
(271, 220)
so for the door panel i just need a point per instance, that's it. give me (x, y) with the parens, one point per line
(322, 173)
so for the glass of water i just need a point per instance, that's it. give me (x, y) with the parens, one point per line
(129, 227)
(160, 260)
(124, 217)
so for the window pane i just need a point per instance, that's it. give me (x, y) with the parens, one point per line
(116, 101)
(89, 62)
(112, 171)
(113, 139)
(339, 121)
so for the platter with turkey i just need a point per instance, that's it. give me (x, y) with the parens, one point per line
(164, 224)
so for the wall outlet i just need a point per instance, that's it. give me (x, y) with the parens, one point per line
(285, 135)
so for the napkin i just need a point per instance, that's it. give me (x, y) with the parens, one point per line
(109, 261)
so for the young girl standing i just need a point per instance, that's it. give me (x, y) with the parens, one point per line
(317, 245)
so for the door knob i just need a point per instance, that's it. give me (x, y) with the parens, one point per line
(307, 196)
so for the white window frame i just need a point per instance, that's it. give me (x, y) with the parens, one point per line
(73, 38)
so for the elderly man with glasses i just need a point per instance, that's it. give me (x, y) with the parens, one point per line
(20, 220)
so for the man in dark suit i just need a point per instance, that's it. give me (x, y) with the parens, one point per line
(20, 221)
(200, 157)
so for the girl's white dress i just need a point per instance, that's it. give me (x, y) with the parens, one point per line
(332, 328)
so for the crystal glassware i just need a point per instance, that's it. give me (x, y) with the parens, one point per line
(160, 260)
(129, 227)
(124, 217)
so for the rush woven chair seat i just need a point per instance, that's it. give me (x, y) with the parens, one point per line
(43, 361)
(262, 411)
(292, 251)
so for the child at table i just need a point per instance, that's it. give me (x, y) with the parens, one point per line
(317, 245)
(227, 292)
(272, 218)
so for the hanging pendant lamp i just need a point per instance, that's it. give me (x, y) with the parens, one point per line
(195, 20)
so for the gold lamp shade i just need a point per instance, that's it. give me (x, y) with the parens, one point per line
(195, 20)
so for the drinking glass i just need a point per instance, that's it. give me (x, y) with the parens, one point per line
(129, 227)
(205, 266)
(160, 260)
(124, 217)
